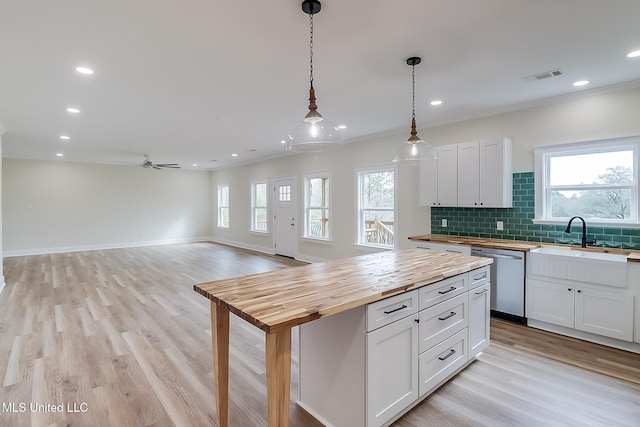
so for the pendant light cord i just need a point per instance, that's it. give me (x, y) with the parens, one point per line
(413, 99)
(311, 49)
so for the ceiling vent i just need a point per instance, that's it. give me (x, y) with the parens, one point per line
(542, 76)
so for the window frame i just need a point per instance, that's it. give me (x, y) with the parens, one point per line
(306, 179)
(360, 211)
(222, 207)
(255, 207)
(543, 189)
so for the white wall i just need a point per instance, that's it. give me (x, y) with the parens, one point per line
(411, 219)
(600, 116)
(608, 115)
(53, 206)
(2, 130)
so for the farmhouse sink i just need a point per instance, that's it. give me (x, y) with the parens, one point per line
(581, 266)
(603, 256)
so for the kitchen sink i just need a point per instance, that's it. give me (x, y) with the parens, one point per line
(582, 266)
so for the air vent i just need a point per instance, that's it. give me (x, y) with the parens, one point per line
(542, 76)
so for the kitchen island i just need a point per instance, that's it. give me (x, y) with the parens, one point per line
(279, 300)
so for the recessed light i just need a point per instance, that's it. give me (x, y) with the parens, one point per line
(634, 54)
(65, 137)
(342, 127)
(436, 102)
(73, 110)
(283, 142)
(234, 155)
(581, 83)
(84, 70)
(195, 165)
(59, 154)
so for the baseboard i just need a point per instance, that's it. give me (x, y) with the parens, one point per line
(97, 247)
(255, 248)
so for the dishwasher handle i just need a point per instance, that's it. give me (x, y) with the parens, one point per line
(490, 255)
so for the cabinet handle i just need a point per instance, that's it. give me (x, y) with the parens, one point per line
(396, 309)
(484, 291)
(569, 289)
(483, 276)
(579, 291)
(447, 291)
(417, 320)
(452, 251)
(448, 316)
(448, 355)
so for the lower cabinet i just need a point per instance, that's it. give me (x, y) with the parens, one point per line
(392, 370)
(368, 365)
(479, 313)
(599, 310)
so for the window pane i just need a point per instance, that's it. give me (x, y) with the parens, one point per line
(319, 223)
(261, 195)
(601, 204)
(224, 213)
(261, 219)
(594, 168)
(377, 190)
(378, 227)
(224, 196)
(318, 192)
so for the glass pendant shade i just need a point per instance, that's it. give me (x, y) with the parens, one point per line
(414, 148)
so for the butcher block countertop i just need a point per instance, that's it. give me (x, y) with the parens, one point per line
(295, 295)
(514, 245)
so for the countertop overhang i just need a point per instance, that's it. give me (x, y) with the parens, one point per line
(295, 295)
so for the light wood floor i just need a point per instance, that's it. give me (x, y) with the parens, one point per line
(121, 335)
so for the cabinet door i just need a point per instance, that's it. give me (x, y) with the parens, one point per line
(468, 174)
(496, 179)
(608, 313)
(448, 175)
(550, 302)
(392, 370)
(479, 312)
(428, 183)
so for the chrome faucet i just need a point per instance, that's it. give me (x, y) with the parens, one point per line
(584, 231)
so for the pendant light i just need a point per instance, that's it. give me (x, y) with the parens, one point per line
(314, 133)
(414, 148)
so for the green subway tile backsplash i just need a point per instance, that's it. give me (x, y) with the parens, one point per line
(479, 222)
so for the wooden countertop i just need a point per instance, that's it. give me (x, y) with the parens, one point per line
(632, 256)
(295, 295)
(513, 245)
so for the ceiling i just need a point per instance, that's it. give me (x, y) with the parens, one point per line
(195, 81)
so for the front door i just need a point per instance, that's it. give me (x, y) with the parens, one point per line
(285, 216)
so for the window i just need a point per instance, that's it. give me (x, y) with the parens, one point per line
(259, 207)
(223, 206)
(376, 201)
(597, 180)
(316, 206)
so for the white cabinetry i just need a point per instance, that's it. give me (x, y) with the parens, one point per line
(443, 247)
(483, 175)
(439, 178)
(601, 310)
(368, 365)
(392, 370)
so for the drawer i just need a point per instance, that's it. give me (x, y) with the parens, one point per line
(479, 277)
(454, 249)
(443, 290)
(383, 312)
(438, 363)
(443, 320)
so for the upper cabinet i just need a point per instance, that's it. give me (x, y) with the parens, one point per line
(481, 175)
(439, 178)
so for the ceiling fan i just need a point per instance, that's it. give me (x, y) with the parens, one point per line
(148, 164)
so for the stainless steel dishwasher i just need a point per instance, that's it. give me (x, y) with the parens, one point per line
(507, 282)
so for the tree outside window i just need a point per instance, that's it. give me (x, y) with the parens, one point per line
(317, 209)
(376, 211)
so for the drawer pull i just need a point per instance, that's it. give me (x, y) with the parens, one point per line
(453, 288)
(484, 276)
(448, 355)
(484, 291)
(396, 309)
(453, 252)
(448, 316)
